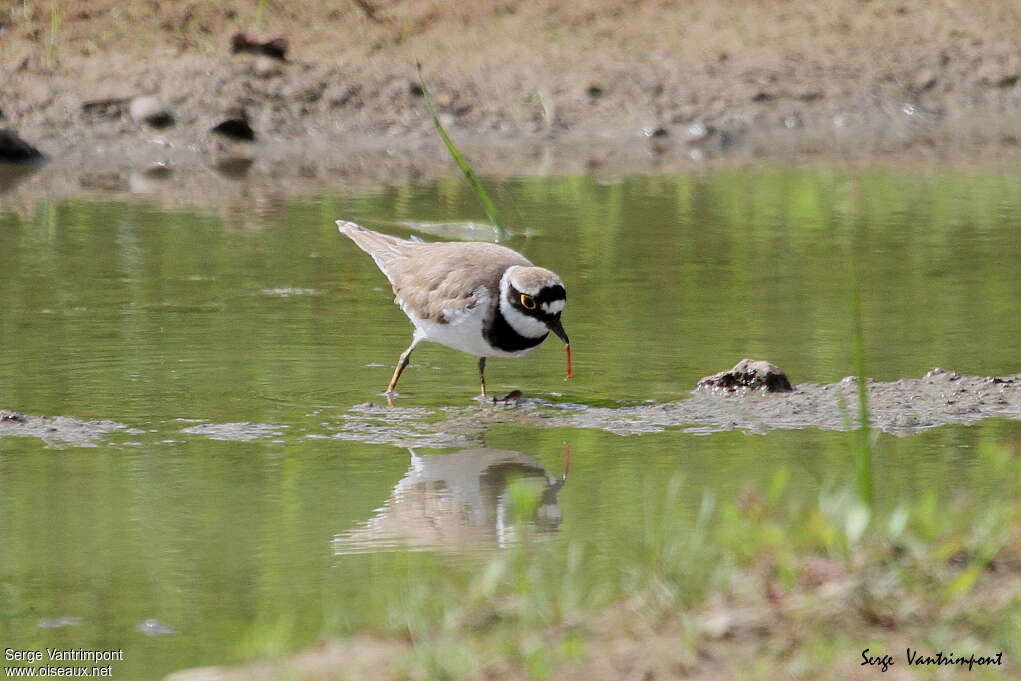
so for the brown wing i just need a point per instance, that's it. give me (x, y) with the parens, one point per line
(435, 280)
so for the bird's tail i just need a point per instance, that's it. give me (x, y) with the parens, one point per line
(382, 247)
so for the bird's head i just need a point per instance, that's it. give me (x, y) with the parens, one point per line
(538, 296)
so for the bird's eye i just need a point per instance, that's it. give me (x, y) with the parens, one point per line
(527, 301)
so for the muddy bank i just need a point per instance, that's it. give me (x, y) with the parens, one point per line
(153, 83)
(903, 407)
(184, 179)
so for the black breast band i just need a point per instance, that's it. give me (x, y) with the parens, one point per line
(501, 335)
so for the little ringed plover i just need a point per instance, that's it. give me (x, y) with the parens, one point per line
(479, 298)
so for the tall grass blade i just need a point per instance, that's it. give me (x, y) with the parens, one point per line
(863, 438)
(487, 202)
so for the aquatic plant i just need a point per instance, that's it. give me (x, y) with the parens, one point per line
(862, 446)
(462, 162)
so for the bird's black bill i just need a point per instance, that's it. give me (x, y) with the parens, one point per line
(556, 327)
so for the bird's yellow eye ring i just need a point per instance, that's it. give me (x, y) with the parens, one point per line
(527, 301)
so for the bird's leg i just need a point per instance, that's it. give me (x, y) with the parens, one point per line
(482, 376)
(402, 363)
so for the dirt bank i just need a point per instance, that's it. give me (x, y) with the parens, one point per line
(677, 80)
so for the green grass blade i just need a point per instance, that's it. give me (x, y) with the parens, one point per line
(463, 163)
(863, 449)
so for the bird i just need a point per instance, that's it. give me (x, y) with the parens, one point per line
(480, 298)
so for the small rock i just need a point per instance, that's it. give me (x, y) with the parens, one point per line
(415, 89)
(235, 128)
(1008, 80)
(793, 121)
(275, 47)
(11, 416)
(594, 91)
(748, 374)
(110, 107)
(997, 75)
(510, 398)
(925, 80)
(150, 110)
(808, 95)
(304, 92)
(159, 170)
(763, 96)
(717, 625)
(658, 131)
(266, 67)
(13, 149)
(942, 373)
(340, 95)
(149, 178)
(698, 133)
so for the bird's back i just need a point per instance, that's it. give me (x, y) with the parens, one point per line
(435, 280)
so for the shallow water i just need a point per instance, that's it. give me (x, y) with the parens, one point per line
(234, 345)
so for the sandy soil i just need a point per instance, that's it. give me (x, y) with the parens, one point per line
(684, 80)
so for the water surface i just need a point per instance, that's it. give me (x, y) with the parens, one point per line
(239, 538)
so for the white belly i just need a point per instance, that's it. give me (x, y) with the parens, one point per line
(463, 332)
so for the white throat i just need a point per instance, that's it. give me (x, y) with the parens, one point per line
(526, 326)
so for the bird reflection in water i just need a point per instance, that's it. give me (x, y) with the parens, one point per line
(459, 501)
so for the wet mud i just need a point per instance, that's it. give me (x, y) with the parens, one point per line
(58, 430)
(903, 407)
(323, 96)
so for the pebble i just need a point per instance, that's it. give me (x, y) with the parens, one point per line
(267, 67)
(13, 149)
(150, 110)
(925, 80)
(235, 129)
(275, 47)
